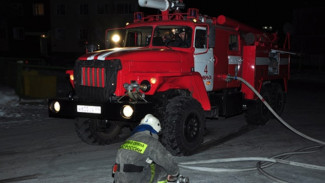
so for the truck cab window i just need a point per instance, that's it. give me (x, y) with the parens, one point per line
(172, 36)
(200, 38)
(233, 42)
(138, 37)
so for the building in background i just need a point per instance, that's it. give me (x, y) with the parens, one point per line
(53, 29)
(40, 39)
(24, 27)
(75, 22)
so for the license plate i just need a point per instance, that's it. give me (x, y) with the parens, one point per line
(89, 109)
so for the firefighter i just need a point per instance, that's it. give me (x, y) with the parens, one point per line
(182, 40)
(142, 158)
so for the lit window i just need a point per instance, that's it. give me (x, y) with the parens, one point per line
(38, 9)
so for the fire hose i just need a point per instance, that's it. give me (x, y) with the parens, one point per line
(274, 113)
(262, 162)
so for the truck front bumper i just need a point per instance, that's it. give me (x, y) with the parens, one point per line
(66, 108)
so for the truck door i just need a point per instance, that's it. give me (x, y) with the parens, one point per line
(203, 57)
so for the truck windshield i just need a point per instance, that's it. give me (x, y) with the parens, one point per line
(138, 37)
(173, 36)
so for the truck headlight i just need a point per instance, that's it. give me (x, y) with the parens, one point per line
(116, 38)
(127, 111)
(55, 106)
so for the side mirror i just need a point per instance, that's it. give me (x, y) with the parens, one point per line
(92, 47)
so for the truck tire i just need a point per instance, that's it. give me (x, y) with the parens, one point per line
(257, 113)
(96, 131)
(182, 125)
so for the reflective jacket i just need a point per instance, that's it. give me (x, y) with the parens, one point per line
(143, 150)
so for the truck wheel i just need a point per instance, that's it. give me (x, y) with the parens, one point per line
(97, 132)
(182, 125)
(257, 113)
(279, 98)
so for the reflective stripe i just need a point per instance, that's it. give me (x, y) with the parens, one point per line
(163, 181)
(103, 55)
(153, 171)
(133, 145)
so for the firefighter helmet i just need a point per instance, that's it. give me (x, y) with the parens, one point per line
(151, 120)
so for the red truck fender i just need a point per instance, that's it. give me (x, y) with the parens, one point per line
(192, 82)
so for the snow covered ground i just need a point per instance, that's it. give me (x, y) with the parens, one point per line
(36, 148)
(12, 108)
(8, 100)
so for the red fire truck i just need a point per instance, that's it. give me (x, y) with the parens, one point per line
(148, 68)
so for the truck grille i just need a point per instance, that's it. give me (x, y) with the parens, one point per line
(95, 81)
(92, 76)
